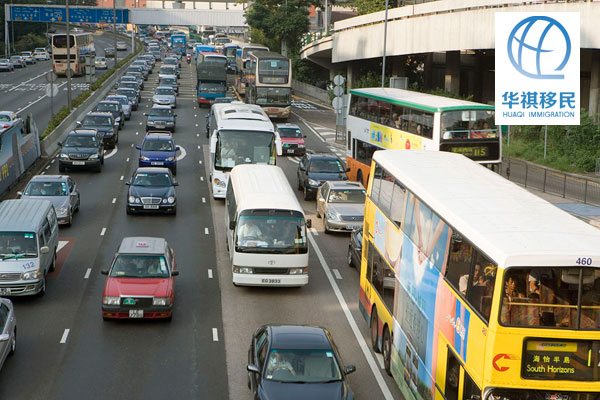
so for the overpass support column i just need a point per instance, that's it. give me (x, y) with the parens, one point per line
(595, 85)
(452, 77)
(349, 76)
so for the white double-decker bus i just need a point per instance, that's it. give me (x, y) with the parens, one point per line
(266, 228)
(82, 45)
(239, 134)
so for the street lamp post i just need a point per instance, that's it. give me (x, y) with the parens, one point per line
(68, 56)
(115, 30)
(384, 43)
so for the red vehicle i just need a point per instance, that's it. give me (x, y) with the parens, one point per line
(292, 139)
(140, 282)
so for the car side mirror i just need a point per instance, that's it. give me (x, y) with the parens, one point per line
(78, 123)
(128, 183)
(4, 337)
(350, 369)
(104, 272)
(138, 147)
(174, 115)
(177, 148)
(45, 250)
(59, 143)
(232, 225)
(145, 114)
(175, 183)
(302, 168)
(116, 125)
(253, 368)
(19, 194)
(309, 223)
(174, 273)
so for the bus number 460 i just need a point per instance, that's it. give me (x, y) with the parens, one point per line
(583, 261)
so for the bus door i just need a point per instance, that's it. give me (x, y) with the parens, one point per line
(452, 380)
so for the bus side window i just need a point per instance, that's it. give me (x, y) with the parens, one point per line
(370, 252)
(452, 377)
(459, 263)
(376, 184)
(397, 207)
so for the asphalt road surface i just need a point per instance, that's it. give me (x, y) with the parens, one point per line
(66, 351)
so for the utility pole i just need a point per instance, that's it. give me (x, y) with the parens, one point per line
(115, 30)
(69, 105)
(384, 43)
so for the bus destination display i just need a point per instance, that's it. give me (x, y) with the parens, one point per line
(561, 360)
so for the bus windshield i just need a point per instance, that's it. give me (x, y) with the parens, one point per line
(60, 41)
(271, 95)
(273, 71)
(244, 147)
(469, 124)
(548, 297)
(271, 231)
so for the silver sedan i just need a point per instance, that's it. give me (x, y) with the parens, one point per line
(8, 330)
(60, 190)
(165, 96)
(341, 204)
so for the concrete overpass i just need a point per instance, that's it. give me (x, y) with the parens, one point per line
(456, 40)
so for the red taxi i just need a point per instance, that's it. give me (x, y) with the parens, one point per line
(140, 282)
(292, 139)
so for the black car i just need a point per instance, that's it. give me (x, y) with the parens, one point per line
(131, 85)
(131, 94)
(113, 107)
(161, 118)
(315, 169)
(152, 189)
(355, 248)
(296, 362)
(104, 123)
(109, 52)
(83, 148)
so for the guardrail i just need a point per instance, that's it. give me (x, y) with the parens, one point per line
(571, 186)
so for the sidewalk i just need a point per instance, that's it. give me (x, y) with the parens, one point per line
(322, 121)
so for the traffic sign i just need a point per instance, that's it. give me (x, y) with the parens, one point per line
(51, 90)
(339, 80)
(51, 76)
(338, 90)
(93, 15)
(337, 103)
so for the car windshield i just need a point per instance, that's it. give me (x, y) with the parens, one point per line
(46, 189)
(96, 120)
(107, 107)
(167, 81)
(302, 366)
(244, 147)
(212, 87)
(166, 70)
(128, 92)
(18, 245)
(165, 92)
(151, 179)
(347, 196)
(122, 100)
(326, 165)
(15, 58)
(5, 118)
(80, 141)
(100, 59)
(129, 79)
(290, 132)
(171, 61)
(4, 61)
(271, 231)
(139, 266)
(161, 112)
(128, 84)
(157, 145)
(548, 297)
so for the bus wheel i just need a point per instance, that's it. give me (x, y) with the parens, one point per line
(374, 330)
(359, 177)
(386, 349)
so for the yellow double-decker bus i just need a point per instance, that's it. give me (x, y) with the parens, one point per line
(475, 288)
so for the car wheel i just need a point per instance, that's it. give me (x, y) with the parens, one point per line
(13, 343)
(78, 204)
(174, 170)
(299, 183)
(374, 330)
(350, 263)
(387, 350)
(43, 289)
(53, 265)
(174, 212)
(61, 168)
(99, 168)
(306, 194)
(116, 140)
(102, 160)
(128, 210)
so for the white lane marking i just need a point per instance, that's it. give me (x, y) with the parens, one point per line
(29, 80)
(52, 162)
(121, 178)
(114, 200)
(103, 232)
(43, 172)
(215, 335)
(196, 125)
(195, 115)
(127, 160)
(197, 135)
(198, 147)
(32, 103)
(337, 274)
(210, 274)
(137, 133)
(206, 231)
(140, 122)
(61, 244)
(87, 273)
(311, 128)
(112, 153)
(314, 231)
(182, 154)
(200, 162)
(202, 178)
(294, 160)
(204, 199)
(379, 358)
(65, 335)
(361, 341)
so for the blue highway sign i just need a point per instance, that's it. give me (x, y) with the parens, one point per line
(93, 15)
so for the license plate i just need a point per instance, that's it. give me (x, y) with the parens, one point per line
(349, 227)
(78, 162)
(150, 206)
(4, 291)
(156, 163)
(270, 280)
(136, 313)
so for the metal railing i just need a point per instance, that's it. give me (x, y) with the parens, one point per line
(570, 186)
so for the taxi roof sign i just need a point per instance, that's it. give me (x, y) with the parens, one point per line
(142, 244)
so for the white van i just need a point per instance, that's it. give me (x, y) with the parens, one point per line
(266, 228)
(28, 242)
(239, 134)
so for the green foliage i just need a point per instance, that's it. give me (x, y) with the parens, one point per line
(370, 6)
(258, 37)
(445, 93)
(370, 79)
(29, 42)
(569, 148)
(308, 72)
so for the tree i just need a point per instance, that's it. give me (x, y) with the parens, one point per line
(281, 20)
(370, 6)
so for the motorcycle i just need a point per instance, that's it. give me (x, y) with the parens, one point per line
(188, 58)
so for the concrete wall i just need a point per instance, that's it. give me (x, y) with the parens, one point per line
(302, 89)
(445, 25)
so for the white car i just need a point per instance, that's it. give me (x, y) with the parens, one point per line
(121, 46)
(41, 55)
(7, 119)
(100, 63)
(28, 57)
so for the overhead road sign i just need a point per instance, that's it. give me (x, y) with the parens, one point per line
(92, 15)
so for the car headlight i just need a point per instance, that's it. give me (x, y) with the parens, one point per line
(171, 199)
(62, 210)
(161, 301)
(332, 216)
(111, 300)
(301, 145)
(144, 158)
(170, 159)
(220, 183)
(150, 123)
(94, 157)
(242, 270)
(64, 156)
(299, 271)
(154, 99)
(31, 275)
(169, 123)
(313, 182)
(133, 199)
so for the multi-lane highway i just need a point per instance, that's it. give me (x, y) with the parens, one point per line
(24, 89)
(66, 351)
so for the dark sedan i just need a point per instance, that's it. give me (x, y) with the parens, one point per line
(355, 248)
(296, 362)
(161, 118)
(152, 189)
(104, 123)
(81, 148)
